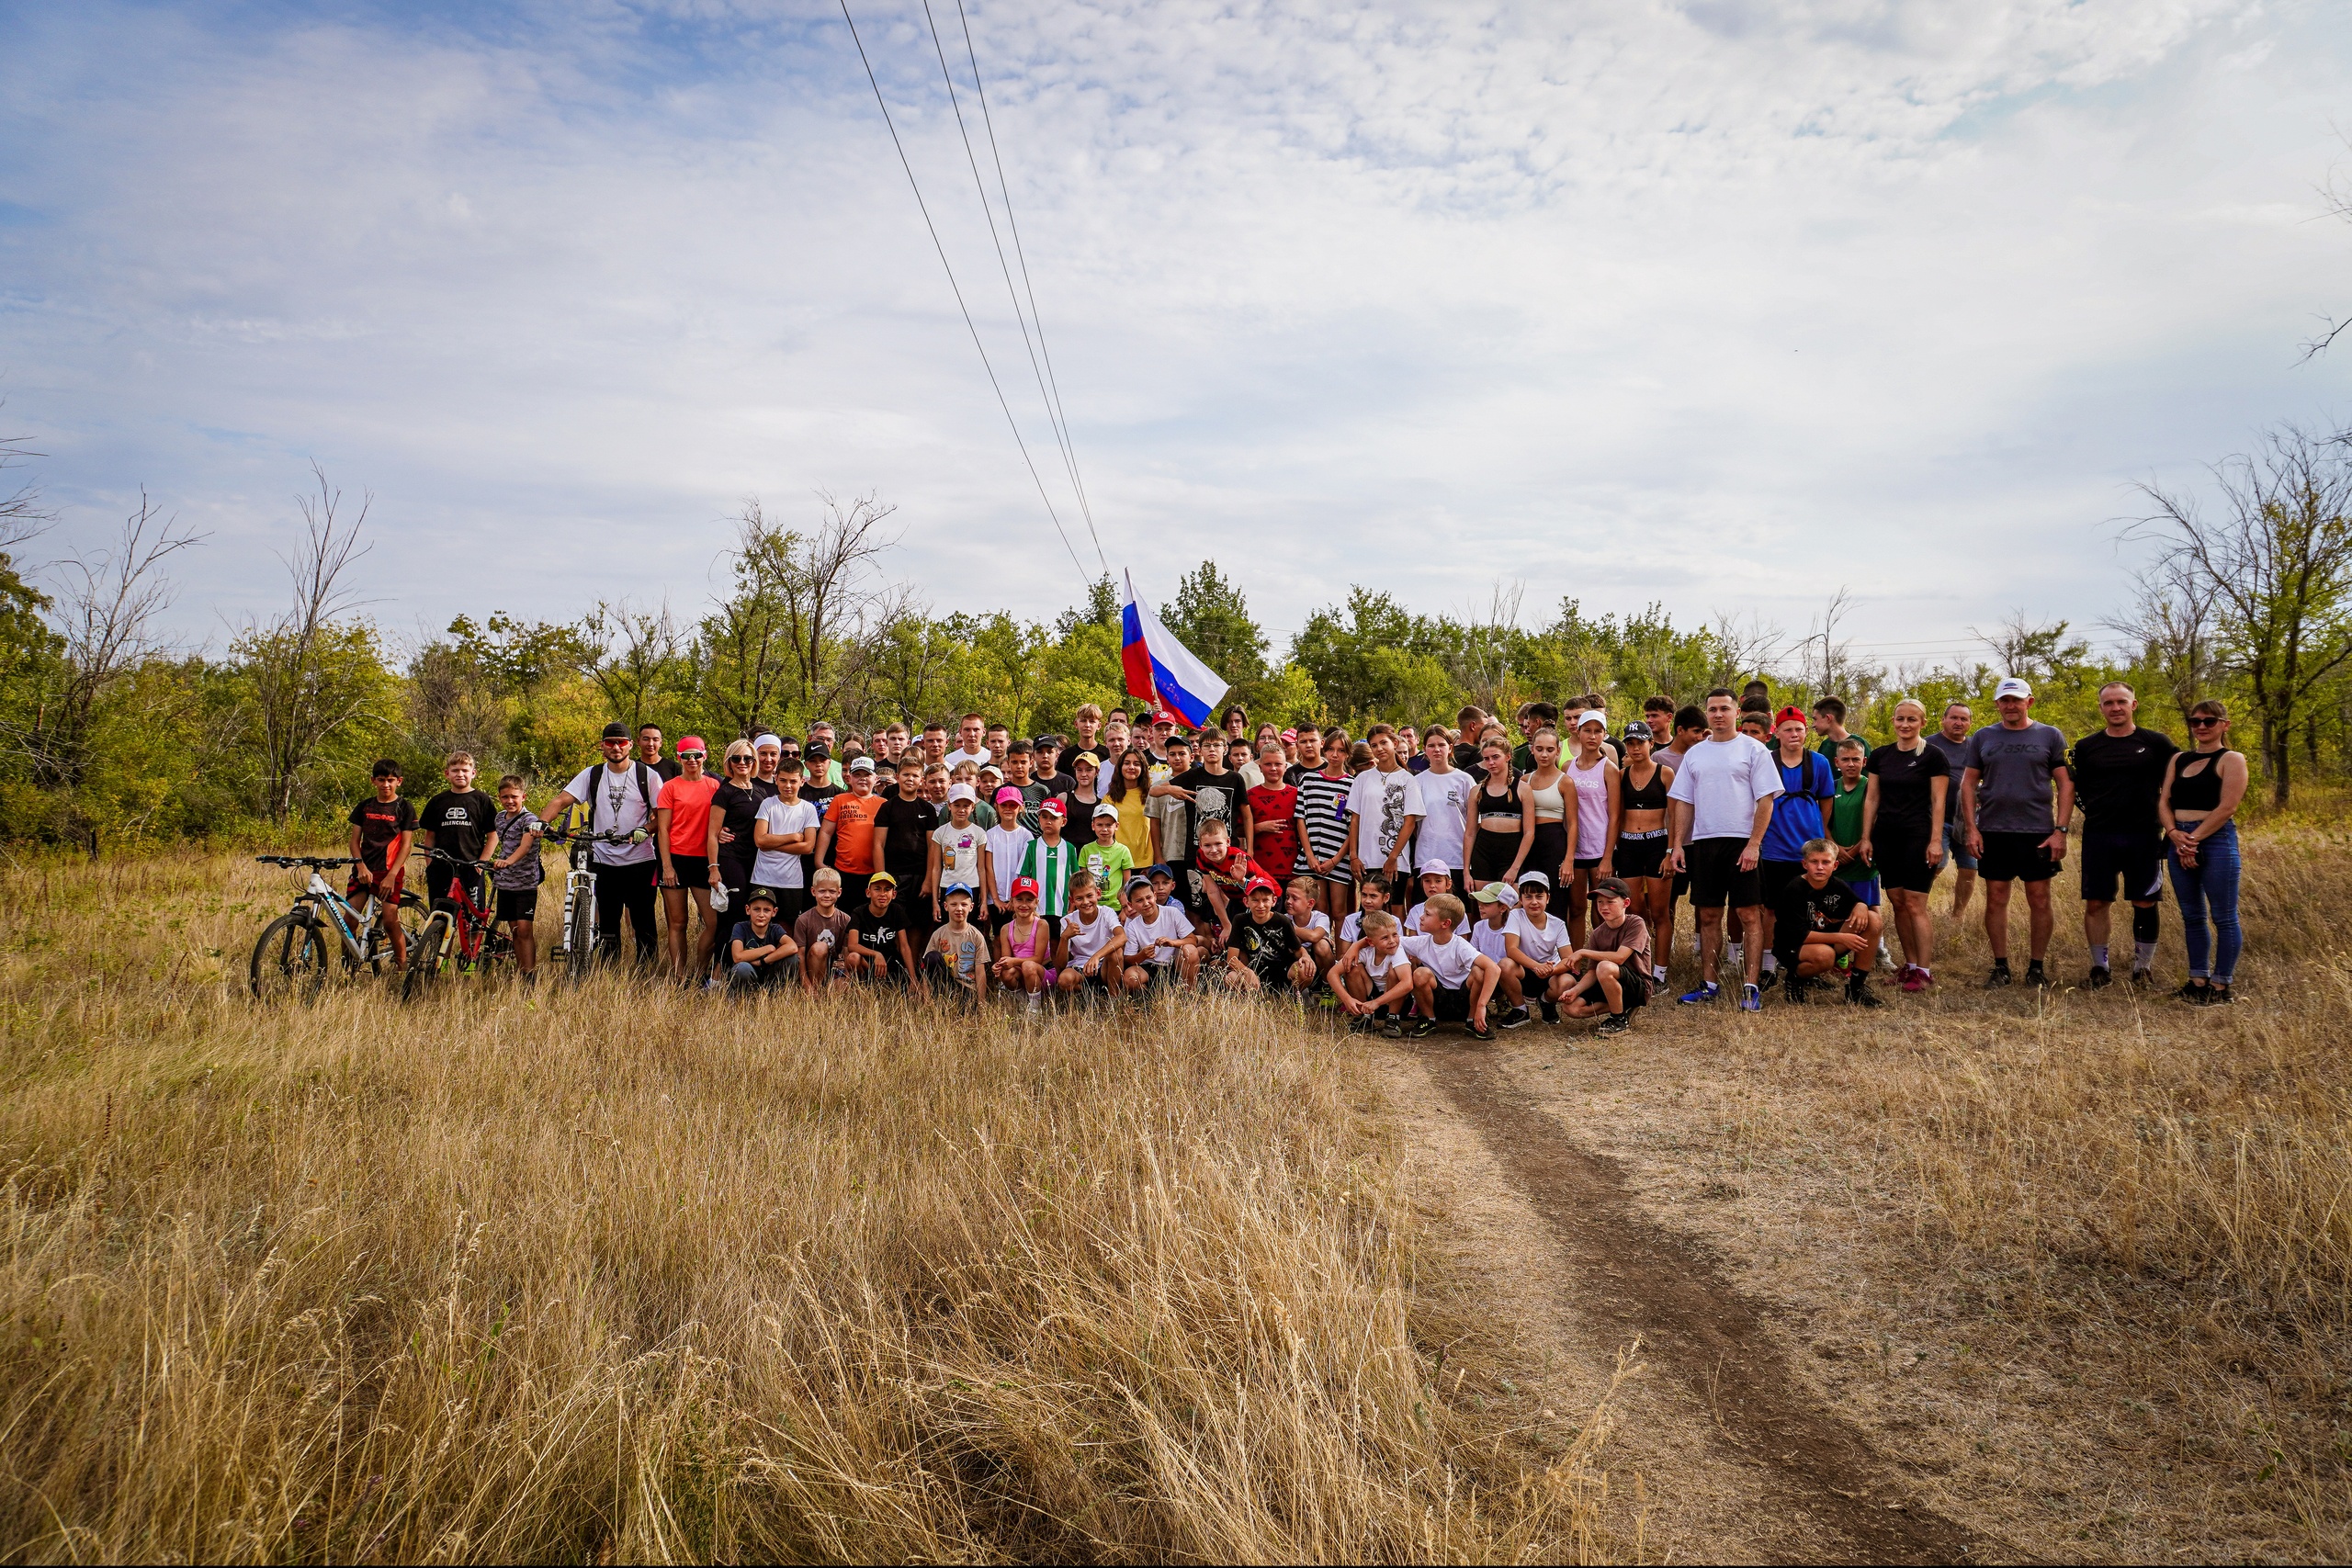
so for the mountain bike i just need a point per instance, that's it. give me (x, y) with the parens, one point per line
(292, 958)
(577, 949)
(459, 934)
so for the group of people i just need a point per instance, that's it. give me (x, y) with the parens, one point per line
(1406, 878)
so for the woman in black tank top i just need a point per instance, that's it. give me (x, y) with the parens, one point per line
(2198, 808)
(1641, 834)
(1493, 848)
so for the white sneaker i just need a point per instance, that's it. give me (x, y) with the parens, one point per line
(1033, 1001)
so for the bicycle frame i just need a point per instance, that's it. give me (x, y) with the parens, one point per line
(579, 881)
(474, 924)
(353, 928)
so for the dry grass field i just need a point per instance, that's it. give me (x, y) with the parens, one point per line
(612, 1274)
(618, 1274)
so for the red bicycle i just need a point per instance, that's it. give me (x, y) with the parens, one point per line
(459, 936)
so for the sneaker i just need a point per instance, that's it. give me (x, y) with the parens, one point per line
(1392, 1030)
(1360, 1025)
(2143, 978)
(1551, 1011)
(2100, 978)
(1795, 990)
(1751, 999)
(1914, 979)
(2036, 977)
(1705, 993)
(1421, 1029)
(1480, 1032)
(1999, 979)
(2196, 991)
(1858, 993)
(2218, 997)
(1515, 1018)
(1658, 975)
(1615, 1024)
(1767, 979)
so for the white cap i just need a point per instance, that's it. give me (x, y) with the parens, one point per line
(1104, 808)
(956, 792)
(1436, 868)
(1593, 715)
(2011, 687)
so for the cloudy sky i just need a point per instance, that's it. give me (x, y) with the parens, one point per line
(1722, 304)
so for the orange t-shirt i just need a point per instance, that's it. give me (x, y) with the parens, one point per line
(852, 816)
(689, 803)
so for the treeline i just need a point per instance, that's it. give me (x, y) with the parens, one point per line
(111, 730)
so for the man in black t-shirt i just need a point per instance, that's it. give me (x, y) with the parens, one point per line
(1263, 954)
(2118, 772)
(817, 756)
(458, 821)
(1821, 928)
(648, 751)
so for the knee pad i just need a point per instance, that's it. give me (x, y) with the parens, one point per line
(2145, 924)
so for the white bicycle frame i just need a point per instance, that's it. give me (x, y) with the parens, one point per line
(355, 947)
(577, 885)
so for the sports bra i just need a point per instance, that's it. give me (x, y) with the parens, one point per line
(2199, 792)
(1549, 805)
(1028, 949)
(1503, 807)
(1650, 797)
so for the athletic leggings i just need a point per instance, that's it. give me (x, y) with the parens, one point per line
(2211, 882)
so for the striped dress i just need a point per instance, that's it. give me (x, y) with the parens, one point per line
(1323, 816)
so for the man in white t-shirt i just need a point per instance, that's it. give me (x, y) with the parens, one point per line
(1717, 810)
(1445, 807)
(1453, 981)
(1383, 809)
(618, 796)
(785, 829)
(967, 744)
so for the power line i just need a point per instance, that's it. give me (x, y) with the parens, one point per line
(968, 324)
(1070, 448)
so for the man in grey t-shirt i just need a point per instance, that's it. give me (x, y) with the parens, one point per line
(1950, 737)
(2015, 830)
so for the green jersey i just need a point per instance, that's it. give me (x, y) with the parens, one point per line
(1051, 865)
(1846, 813)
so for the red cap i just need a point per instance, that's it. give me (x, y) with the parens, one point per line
(1786, 714)
(1255, 883)
(1024, 885)
(1164, 716)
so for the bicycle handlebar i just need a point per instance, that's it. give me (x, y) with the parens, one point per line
(325, 863)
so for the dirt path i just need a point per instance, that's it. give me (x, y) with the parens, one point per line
(1751, 1461)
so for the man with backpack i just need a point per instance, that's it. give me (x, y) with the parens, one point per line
(618, 796)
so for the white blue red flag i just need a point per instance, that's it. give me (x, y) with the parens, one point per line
(1162, 670)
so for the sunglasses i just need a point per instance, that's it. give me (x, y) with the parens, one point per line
(794, 755)
(692, 756)
(739, 761)
(2204, 722)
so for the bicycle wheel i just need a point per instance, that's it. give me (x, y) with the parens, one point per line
(424, 958)
(582, 938)
(290, 961)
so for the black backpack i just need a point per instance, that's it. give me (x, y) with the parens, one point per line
(644, 793)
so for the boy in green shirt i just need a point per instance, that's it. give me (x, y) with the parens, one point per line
(1846, 818)
(1106, 860)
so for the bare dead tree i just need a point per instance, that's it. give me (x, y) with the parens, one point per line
(2171, 617)
(1825, 666)
(1490, 639)
(2336, 198)
(1745, 645)
(22, 513)
(105, 609)
(633, 654)
(2033, 649)
(310, 677)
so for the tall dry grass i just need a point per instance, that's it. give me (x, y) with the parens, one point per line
(616, 1273)
(2148, 1205)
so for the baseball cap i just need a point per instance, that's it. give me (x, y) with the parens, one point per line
(1010, 793)
(1102, 808)
(759, 895)
(1137, 880)
(881, 879)
(615, 730)
(1594, 715)
(1436, 868)
(1290, 735)
(1786, 714)
(1495, 893)
(955, 887)
(1637, 731)
(1052, 806)
(859, 764)
(814, 751)
(2011, 687)
(1612, 887)
(1024, 885)
(768, 739)
(1163, 869)
(956, 792)
(1164, 716)
(1527, 876)
(1256, 883)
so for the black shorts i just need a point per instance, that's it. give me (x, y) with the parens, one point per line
(2016, 857)
(439, 875)
(693, 871)
(518, 903)
(1775, 875)
(1635, 983)
(1641, 857)
(1491, 856)
(1452, 1004)
(1587, 863)
(1901, 863)
(2136, 861)
(1715, 877)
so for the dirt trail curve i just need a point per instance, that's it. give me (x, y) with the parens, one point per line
(1632, 1276)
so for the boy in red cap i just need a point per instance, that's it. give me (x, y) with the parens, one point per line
(1263, 952)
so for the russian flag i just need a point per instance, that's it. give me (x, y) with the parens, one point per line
(1162, 670)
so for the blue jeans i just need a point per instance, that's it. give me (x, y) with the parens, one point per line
(2211, 882)
(1956, 848)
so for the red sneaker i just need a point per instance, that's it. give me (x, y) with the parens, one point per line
(1915, 978)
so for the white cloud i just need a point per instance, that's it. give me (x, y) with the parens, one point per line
(1719, 304)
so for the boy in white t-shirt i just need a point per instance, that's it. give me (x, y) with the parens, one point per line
(1314, 925)
(1433, 880)
(1453, 981)
(785, 828)
(1092, 953)
(1489, 933)
(1160, 944)
(1374, 980)
(1536, 945)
